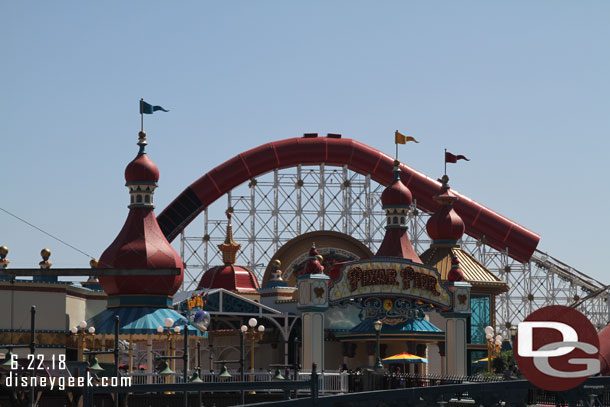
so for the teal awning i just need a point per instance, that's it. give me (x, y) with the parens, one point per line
(138, 320)
(420, 328)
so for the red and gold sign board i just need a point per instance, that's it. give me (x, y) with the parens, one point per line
(390, 278)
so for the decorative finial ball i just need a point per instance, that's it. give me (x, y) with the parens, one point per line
(142, 134)
(3, 250)
(445, 179)
(319, 257)
(276, 263)
(93, 263)
(45, 253)
(396, 163)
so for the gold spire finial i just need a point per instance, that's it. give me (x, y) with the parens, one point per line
(142, 138)
(229, 247)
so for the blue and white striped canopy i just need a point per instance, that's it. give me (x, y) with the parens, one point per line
(138, 320)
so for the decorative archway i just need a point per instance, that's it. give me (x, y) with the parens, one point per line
(296, 250)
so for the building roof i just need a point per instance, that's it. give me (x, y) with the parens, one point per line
(420, 327)
(474, 272)
(138, 320)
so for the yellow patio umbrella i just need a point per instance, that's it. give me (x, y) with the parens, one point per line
(404, 357)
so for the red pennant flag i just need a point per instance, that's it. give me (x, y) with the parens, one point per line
(450, 158)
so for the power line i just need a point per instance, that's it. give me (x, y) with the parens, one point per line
(46, 233)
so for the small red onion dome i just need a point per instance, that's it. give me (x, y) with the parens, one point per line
(142, 168)
(314, 265)
(445, 224)
(396, 194)
(230, 277)
(455, 273)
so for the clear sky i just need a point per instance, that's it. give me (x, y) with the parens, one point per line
(521, 87)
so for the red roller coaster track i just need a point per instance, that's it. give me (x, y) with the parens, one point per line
(500, 232)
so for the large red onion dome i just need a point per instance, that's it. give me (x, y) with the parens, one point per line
(396, 194)
(445, 225)
(141, 244)
(229, 276)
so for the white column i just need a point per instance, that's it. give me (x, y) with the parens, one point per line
(456, 329)
(313, 302)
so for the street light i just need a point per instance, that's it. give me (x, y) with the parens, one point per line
(224, 373)
(6, 365)
(494, 344)
(253, 334)
(170, 332)
(83, 331)
(378, 325)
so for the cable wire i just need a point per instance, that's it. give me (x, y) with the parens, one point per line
(46, 233)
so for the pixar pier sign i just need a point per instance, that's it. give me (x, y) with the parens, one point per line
(379, 278)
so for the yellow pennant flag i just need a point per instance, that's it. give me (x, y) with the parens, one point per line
(400, 138)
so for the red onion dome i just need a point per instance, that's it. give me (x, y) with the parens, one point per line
(445, 224)
(396, 194)
(141, 244)
(141, 169)
(230, 277)
(455, 273)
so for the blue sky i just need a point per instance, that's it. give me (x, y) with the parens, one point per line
(520, 87)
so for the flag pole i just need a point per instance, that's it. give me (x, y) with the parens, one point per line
(396, 151)
(445, 158)
(141, 115)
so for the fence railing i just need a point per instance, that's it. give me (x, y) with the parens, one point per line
(330, 382)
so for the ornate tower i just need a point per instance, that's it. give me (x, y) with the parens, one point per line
(140, 244)
(396, 200)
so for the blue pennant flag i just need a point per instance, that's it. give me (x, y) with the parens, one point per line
(146, 108)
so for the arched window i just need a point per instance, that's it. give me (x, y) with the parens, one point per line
(139, 199)
(147, 198)
(402, 220)
(396, 220)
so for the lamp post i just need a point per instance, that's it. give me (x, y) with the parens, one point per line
(378, 325)
(170, 332)
(82, 331)
(494, 344)
(253, 334)
(513, 332)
